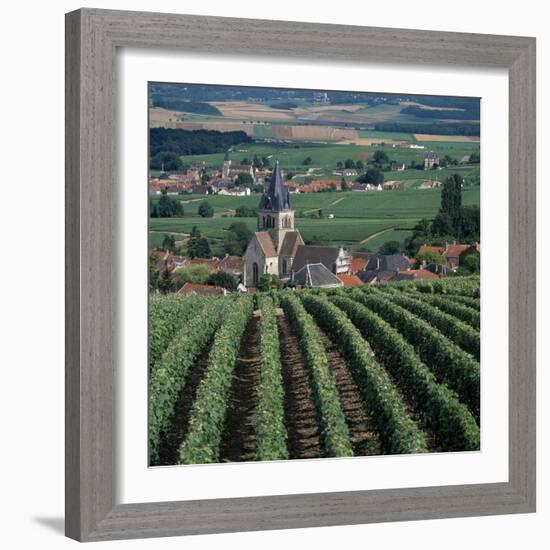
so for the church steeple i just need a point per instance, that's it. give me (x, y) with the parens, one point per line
(277, 197)
(226, 165)
(275, 214)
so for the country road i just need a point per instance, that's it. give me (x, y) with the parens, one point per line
(376, 234)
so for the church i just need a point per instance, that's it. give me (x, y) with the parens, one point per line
(273, 247)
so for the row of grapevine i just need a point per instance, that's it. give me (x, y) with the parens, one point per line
(167, 314)
(207, 419)
(450, 363)
(453, 306)
(450, 420)
(334, 430)
(458, 332)
(465, 286)
(169, 375)
(398, 432)
(271, 435)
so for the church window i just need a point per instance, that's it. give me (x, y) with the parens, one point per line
(255, 273)
(284, 267)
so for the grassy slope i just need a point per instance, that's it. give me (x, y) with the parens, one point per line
(371, 212)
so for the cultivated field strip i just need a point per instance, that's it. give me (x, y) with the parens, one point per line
(463, 286)
(452, 423)
(166, 317)
(458, 332)
(271, 434)
(318, 373)
(397, 431)
(451, 365)
(450, 303)
(335, 435)
(168, 377)
(202, 443)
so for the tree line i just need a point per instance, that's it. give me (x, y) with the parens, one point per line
(193, 142)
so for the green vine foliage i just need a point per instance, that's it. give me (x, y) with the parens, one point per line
(398, 432)
(207, 418)
(334, 429)
(450, 420)
(271, 434)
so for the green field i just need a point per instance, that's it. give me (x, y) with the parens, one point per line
(325, 156)
(357, 215)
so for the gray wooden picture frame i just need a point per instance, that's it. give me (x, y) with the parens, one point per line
(92, 39)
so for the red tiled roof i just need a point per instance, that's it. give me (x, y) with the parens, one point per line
(189, 288)
(350, 280)
(231, 263)
(455, 250)
(422, 274)
(358, 264)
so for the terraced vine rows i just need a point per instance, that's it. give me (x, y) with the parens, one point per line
(325, 373)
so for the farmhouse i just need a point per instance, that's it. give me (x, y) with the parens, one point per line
(431, 160)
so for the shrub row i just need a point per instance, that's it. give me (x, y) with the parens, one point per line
(458, 332)
(466, 286)
(450, 420)
(451, 365)
(451, 305)
(167, 314)
(271, 435)
(334, 430)
(398, 432)
(207, 418)
(169, 375)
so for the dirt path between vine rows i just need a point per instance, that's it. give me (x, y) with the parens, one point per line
(304, 437)
(239, 437)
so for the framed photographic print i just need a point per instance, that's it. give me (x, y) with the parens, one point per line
(300, 275)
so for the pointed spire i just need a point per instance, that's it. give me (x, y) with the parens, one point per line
(277, 196)
(226, 157)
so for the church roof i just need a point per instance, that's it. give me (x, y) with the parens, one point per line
(264, 238)
(292, 240)
(277, 196)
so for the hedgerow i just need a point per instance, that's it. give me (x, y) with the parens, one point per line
(451, 365)
(450, 420)
(271, 435)
(206, 422)
(398, 432)
(169, 375)
(334, 430)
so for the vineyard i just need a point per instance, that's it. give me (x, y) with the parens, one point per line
(319, 373)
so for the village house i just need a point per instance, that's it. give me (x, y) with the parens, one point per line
(397, 166)
(431, 160)
(451, 252)
(316, 276)
(430, 184)
(233, 265)
(336, 260)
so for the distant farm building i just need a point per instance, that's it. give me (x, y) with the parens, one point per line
(431, 160)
